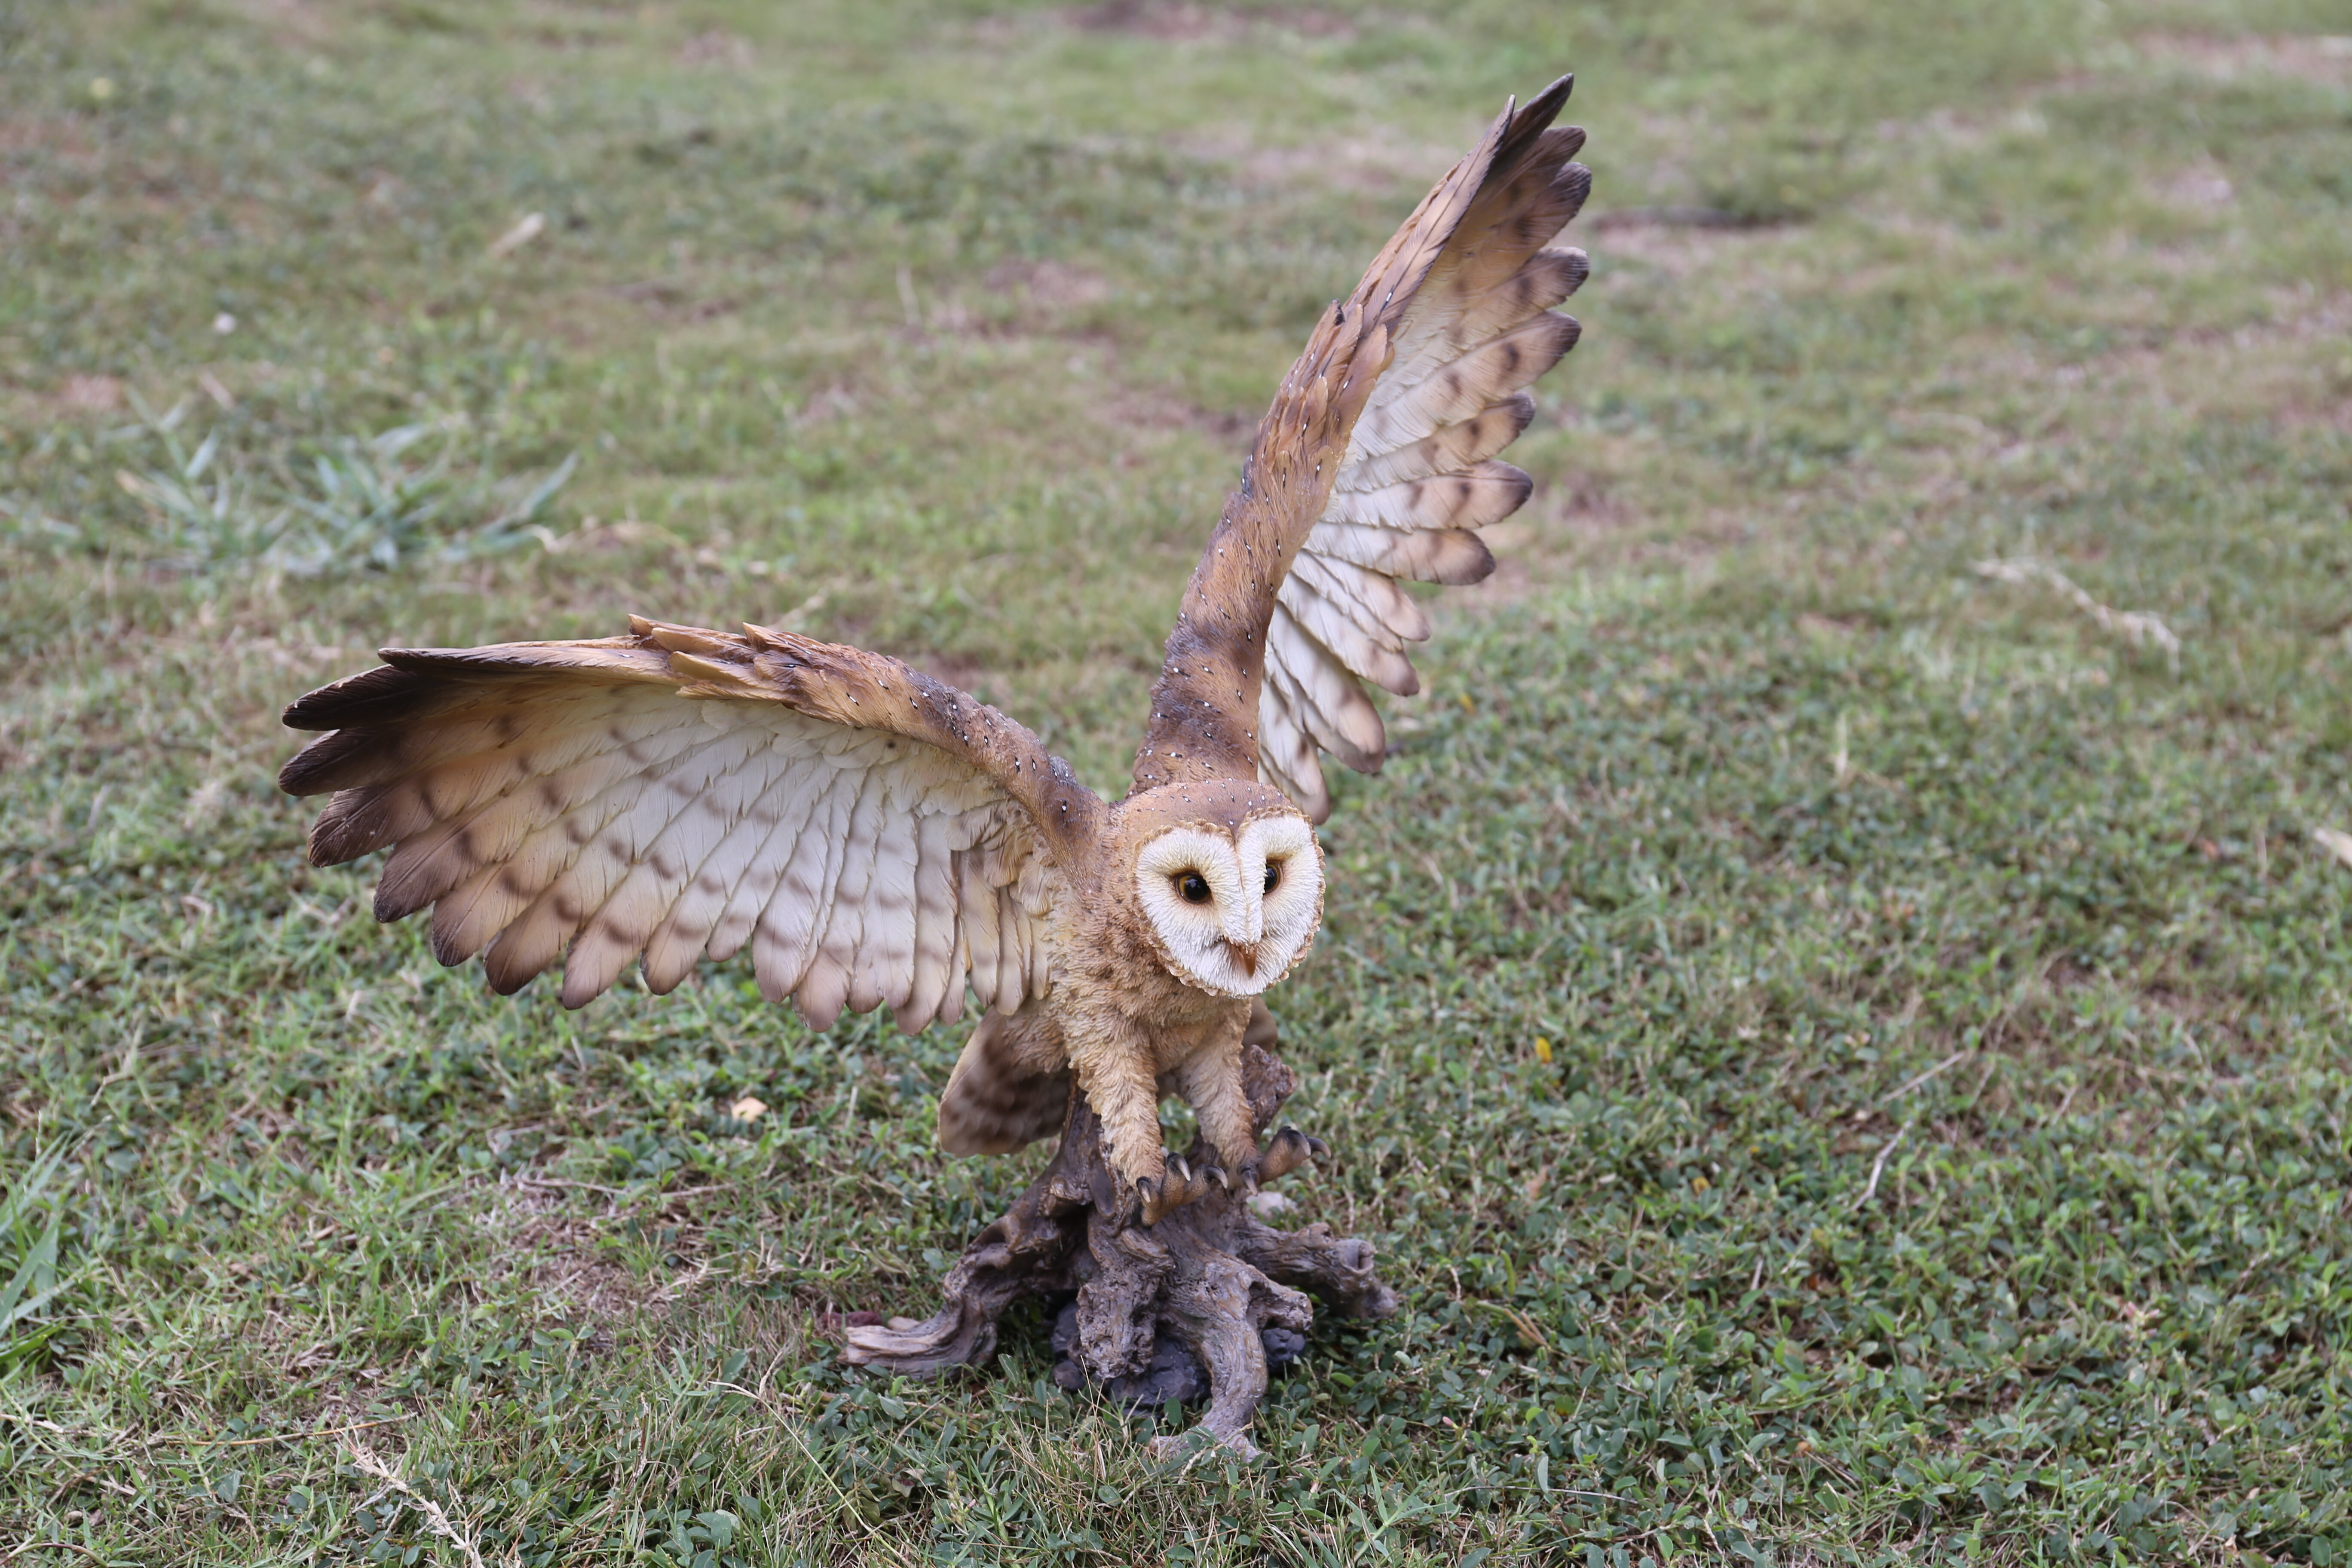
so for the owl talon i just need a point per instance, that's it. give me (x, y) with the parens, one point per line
(1181, 1184)
(1288, 1149)
(1160, 1199)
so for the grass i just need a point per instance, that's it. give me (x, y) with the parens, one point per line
(1842, 1054)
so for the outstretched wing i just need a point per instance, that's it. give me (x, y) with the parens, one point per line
(875, 838)
(1376, 465)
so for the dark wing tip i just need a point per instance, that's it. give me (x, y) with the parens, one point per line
(1550, 102)
(372, 696)
(351, 826)
(295, 777)
(1536, 118)
(1520, 483)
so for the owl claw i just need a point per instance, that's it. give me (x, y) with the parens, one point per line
(1288, 1149)
(1181, 1185)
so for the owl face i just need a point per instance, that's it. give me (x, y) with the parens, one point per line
(1234, 907)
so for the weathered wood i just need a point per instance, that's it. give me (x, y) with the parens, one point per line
(1206, 1301)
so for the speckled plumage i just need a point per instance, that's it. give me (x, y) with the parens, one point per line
(877, 838)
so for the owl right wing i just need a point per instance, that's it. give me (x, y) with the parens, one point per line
(875, 838)
(1422, 472)
(1375, 466)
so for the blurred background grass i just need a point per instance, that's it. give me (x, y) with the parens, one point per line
(1842, 1053)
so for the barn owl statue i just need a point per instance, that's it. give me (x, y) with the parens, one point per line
(877, 838)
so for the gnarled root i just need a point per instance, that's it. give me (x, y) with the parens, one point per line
(1206, 1301)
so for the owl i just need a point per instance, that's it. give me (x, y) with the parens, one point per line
(876, 839)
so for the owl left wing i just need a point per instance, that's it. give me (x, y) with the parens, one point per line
(875, 838)
(1376, 465)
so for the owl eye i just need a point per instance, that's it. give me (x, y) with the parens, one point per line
(1191, 887)
(1273, 875)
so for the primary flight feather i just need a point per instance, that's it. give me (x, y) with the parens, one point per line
(878, 838)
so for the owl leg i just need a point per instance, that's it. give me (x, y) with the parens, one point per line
(1119, 1085)
(1213, 1083)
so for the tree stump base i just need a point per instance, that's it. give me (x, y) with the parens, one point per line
(1203, 1302)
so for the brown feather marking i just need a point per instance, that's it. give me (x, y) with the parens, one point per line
(420, 872)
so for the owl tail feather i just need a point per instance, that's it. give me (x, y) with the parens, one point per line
(1009, 1088)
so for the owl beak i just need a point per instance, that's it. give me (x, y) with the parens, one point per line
(1246, 952)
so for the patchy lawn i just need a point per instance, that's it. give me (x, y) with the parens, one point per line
(1836, 1019)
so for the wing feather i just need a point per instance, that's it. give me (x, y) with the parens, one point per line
(765, 846)
(1487, 492)
(981, 931)
(1370, 600)
(1451, 448)
(791, 933)
(1372, 652)
(1035, 893)
(1332, 707)
(678, 854)
(1012, 951)
(441, 849)
(933, 989)
(1464, 386)
(656, 847)
(1286, 755)
(710, 839)
(1448, 555)
(846, 911)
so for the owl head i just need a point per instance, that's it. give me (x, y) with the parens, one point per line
(1227, 877)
